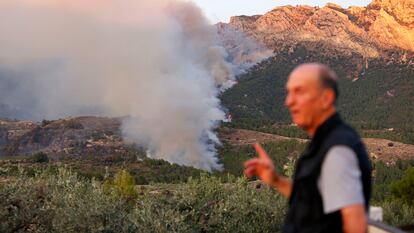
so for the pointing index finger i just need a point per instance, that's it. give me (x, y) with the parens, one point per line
(262, 153)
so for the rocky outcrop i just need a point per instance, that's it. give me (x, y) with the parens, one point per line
(368, 31)
(401, 10)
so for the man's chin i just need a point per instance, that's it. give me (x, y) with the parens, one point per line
(300, 125)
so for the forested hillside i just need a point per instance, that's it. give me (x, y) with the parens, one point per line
(374, 94)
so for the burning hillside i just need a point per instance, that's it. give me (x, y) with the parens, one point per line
(156, 62)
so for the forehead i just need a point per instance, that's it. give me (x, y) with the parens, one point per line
(304, 77)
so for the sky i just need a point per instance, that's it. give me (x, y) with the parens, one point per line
(221, 10)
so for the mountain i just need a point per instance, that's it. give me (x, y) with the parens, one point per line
(377, 30)
(371, 49)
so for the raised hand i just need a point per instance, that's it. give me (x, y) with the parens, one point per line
(261, 167)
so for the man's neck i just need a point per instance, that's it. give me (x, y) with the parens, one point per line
(325, 116)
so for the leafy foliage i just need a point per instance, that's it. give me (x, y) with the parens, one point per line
(57, 200)
(397, 213)
(404, 188)
(385, 175)
(124, 184)
(392, 191)
(68, 203)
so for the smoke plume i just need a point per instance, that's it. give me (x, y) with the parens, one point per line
(242, 51)
(154, 61)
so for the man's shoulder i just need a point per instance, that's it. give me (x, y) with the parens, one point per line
(343, 134)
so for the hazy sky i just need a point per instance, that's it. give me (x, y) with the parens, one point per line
(221, 10)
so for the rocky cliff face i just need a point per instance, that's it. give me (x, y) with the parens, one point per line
(368, 31)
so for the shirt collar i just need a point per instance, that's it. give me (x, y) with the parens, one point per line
(326, 126)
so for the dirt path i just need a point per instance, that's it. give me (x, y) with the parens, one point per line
(240, 137)
(387, 150)
(378, 149)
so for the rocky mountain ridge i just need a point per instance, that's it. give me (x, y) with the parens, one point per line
(372, 31)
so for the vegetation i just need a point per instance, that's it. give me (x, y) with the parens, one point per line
(39, 157)
(143, 170)
(132, 193)
(393, 191)
(385, 175)
(282, 153)
(50, 198)
(123, 184)
(397, 213)
(376, 96)
(404, 188)
(69, 203)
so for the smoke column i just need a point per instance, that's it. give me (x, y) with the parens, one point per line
(154, 61)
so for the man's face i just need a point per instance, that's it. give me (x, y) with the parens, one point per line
(304, 95)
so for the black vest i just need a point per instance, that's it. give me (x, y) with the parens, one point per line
(305, 212)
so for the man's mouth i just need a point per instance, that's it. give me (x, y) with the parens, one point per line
(294, 112)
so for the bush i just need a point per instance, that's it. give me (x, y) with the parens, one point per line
(59, 203)
(208, 205)
(124, 184)
(45, 122)
(397, 213)
(39, 157)
(404, 188)
(67, 203)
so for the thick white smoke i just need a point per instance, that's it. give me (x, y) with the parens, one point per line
(154, 61)
(242, 51)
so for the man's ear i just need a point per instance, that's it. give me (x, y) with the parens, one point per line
(328, 98)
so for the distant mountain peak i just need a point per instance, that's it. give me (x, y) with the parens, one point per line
(369, 31)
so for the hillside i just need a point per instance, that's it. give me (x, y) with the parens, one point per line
(371, 48)
(70, 136)
(377, 94)
(98, 141)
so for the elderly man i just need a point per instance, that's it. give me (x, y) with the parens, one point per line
(331, 187)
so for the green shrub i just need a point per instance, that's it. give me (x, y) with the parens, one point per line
(39, 157)
(385, 175)
(60, 203)
(398, 213)
(209, 205)
(124, 183)
(141, 180)
(65, 202)
(404, 188)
